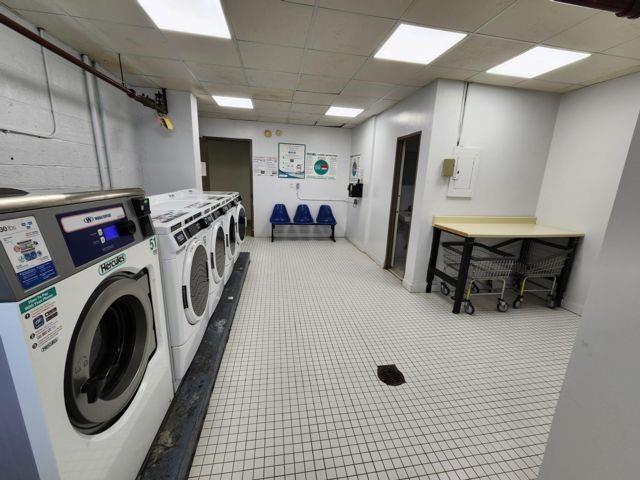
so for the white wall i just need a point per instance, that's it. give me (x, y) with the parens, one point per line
(267, 191)
(512, 127)
(596, 429)
(171, 159)
(68, 161)
(589, 148)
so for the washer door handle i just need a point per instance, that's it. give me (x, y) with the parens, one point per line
(94, 386)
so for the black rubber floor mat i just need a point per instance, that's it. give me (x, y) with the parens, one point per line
(390, 375)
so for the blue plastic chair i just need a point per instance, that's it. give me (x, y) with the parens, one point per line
(280, 216)
(325, 216)
(303, 215)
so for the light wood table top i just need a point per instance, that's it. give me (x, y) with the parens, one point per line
(500, 227)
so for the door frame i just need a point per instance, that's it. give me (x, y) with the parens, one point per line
(397, 171)
(204, 142)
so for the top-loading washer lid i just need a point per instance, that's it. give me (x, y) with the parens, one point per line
(109, 352)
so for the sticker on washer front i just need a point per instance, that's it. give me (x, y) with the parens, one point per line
(27, 251)
(41, 321)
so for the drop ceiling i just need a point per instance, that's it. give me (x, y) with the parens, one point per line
(297, 57)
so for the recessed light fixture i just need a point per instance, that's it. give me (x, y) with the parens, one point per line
(537, 61)
(343, 112)
(234, 102)
(410, 43)
(199, 17)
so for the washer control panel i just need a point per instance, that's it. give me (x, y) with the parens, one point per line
(91, 234)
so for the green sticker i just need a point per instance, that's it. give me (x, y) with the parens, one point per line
(38, 299)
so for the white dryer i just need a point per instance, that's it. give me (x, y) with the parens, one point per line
(184, 243)
(85, 372)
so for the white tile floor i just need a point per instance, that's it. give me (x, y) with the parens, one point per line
(298, 396)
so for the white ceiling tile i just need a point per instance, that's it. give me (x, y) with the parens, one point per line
(613, 73)
(320, 84)
(304, 116)
(490, 79)
(269, 21)
(308, 108)
(272, 118)
(380, 8)
(207, 114)
(592, 69)
(45, 6)
(314, 98)
(399, 92)
(597, 33)
(217, 73)
(227, 89)
(278, 94)
(348, 32)
(270, 57)
(360, 88)
(479, 52)
(177, 84)
(398, 73)
(139, 81)
(379, 107)
(432, 73)
(467, 15)
(160, 67)
(628, 49)
(263, 78)
(131, 40)
(198, 48)
(353, 102)
(536, 20)
(331, 64)
(324, 123)
(542, 85)
(271, 105)
(127, 12)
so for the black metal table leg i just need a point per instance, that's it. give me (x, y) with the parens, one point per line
(563, 279)
(272, 229)
(462, 274)
(333, 233)
(433, 259)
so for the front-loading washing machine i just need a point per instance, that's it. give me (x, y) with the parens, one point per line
(85, 372)
(184, 236)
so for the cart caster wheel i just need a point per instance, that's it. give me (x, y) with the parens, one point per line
(502, 306)
(551, 302)
(444, 289)
(517, 303)
(469, 308)
(475, 288)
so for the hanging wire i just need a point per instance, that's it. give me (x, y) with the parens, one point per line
(463, 109)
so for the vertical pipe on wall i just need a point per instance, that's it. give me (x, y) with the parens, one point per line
(98, 132)
(103, 127)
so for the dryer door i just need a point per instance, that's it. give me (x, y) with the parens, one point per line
(111, 345)
(195, 281)
(242, 222)
(218, 253)
(233, 235)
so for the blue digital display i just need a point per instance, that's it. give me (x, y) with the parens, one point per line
(110, 232)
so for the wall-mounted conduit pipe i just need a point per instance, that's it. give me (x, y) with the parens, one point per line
(98, 132)
(54, 127)
(159, 104)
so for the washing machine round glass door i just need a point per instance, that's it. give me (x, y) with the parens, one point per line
(111, 345)
(242, 223)
(232, 236)
(218, 253)
(195, 281)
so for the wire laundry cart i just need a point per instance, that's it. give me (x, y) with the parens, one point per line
(540, 260)
(487, 265)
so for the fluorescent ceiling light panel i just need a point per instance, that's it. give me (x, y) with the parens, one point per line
(413, 44)
(199, 17)
(343, 112)
(234, 102)
(537, 61)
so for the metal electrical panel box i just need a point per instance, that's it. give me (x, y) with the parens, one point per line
(467, 163)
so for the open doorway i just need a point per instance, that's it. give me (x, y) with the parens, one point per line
(228, 168)
(401, 212)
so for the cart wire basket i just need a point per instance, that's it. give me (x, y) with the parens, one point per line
(487, 265)
(538, 269)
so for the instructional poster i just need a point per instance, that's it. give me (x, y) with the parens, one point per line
(321, 165)
(27, 252)
(355, 173)
(265, 166)
(291, 160)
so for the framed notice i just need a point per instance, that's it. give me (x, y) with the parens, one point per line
(355, 173)
(321, 166)
(265, 166)
(291, 158)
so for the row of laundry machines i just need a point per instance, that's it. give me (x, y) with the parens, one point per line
(104, 299)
